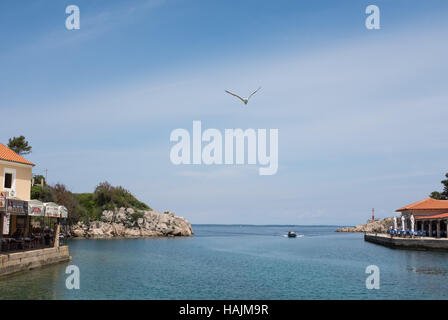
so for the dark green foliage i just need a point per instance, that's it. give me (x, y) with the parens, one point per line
(43, 194)
(19, 145)
(109, 197)
(89, 206)
(441, 195)
(69, 200)
(436, 195)
(38, 179)
(92, 211)
(137, 215)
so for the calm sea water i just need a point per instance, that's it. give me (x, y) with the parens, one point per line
(238, 262)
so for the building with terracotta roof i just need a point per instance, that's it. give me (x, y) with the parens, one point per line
(15, 185)
(431, 216)
(28, 228)
(426, 207)
(15, 174)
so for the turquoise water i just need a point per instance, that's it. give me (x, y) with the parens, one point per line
(238, 262)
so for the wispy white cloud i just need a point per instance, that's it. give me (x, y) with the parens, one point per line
(352, 118)
(94, 24)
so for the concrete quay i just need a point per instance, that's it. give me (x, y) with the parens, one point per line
(27, 260)
(412, 243)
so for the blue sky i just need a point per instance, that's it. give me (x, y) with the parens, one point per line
(361, 114)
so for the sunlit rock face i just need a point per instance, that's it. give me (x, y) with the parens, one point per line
(130, 223)
(380, 226)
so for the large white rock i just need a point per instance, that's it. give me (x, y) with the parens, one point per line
(107, 216)
(121, 223)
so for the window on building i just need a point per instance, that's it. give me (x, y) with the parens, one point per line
(8, 181)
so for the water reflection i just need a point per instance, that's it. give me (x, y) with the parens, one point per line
(40, 283)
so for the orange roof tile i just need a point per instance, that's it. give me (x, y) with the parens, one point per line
(437, 216)
(9, 155)
(426, 204)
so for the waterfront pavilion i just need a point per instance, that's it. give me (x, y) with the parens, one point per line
(431, 216)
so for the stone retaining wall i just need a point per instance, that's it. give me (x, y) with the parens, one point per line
(27, 260)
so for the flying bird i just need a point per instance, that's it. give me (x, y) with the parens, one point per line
(245, 101)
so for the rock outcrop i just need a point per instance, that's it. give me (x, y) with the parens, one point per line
(129, 223)
(380, 226)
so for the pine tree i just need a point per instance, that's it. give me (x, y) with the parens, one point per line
(19, 145)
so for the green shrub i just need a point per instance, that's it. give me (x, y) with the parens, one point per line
(44, 194)
(109, 197)
(88, 207)
(137, 215)
(91, 210)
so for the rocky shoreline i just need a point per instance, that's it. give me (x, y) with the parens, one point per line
(130, 223)
(380, 226)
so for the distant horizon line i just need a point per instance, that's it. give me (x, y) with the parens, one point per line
(270, 225)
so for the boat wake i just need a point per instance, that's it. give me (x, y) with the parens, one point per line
(298, 236)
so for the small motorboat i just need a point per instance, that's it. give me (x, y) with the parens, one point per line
(292, 234)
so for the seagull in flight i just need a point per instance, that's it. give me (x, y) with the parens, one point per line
(245, 101)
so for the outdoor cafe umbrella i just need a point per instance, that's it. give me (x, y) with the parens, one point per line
(51, 210)
(35, 208)
(63, 212)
